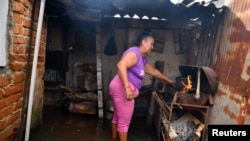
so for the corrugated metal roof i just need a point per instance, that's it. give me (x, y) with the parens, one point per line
(162, 9)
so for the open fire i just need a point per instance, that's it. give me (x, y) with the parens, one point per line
(186, 105)
(196, 85)
(188, 86)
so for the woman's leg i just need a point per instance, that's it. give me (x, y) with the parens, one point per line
(114, 132)
(123, 136)
(123, 109)
(124, 115)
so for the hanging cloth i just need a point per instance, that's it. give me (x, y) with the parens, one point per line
(111, 48)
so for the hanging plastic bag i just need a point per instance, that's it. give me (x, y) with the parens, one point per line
(111, 48)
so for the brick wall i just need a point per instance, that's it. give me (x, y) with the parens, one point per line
(13, 76)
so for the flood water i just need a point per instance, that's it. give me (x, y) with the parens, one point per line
(61, 125)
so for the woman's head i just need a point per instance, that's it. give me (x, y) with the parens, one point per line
(144, 35)
(145, 41)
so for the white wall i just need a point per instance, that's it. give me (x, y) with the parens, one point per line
(3, 38)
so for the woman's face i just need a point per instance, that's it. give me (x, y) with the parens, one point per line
(148, 44)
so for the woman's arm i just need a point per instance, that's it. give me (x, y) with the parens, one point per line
(123, 65)
(156, 73)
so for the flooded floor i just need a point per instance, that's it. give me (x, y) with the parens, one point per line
(61, 125)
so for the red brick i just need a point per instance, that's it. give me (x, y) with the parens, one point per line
(27, 13)
(42, 47)
(26, 23)
(20, 87)
(2, 124)
(18, 7)
(19, 104)
(6, 134)
(18, 77)
(10, 90)
(31, 1)
(5, 80)
(16, 66)
(26, 3)
(20, 40)
(21, 1)
(13, 117)
(17, 19)
(1, 94)
(18, 58)
(17, 29)
(26, 31)
(19, 49)
(2, 104)
(5, 112)
(41, 59)
(11, 105)
(13, 98)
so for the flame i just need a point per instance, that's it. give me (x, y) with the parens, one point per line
(188, 86)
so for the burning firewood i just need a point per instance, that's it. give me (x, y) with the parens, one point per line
(187, 86)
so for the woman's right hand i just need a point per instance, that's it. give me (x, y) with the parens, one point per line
(129, 94)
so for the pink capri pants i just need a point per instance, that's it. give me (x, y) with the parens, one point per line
(123, 109)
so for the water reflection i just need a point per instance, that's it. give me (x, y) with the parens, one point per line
(60, 125)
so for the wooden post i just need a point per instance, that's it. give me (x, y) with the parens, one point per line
(99, 71)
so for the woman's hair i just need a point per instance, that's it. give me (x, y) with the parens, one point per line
(142, 36)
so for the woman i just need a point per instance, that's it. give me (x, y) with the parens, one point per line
(125, 86)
